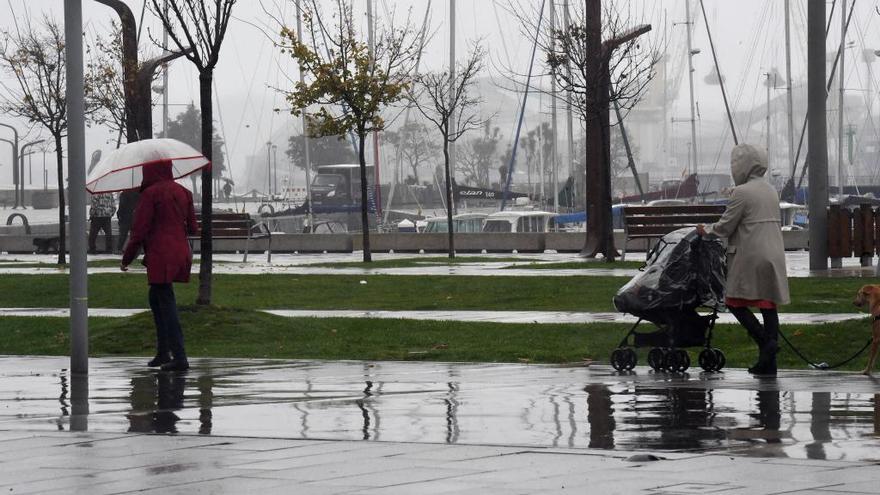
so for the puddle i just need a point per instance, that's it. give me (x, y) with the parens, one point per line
(799, 415)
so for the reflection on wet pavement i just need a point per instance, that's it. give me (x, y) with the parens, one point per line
(800, 414)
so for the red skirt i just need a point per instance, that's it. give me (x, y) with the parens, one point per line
(735, 302)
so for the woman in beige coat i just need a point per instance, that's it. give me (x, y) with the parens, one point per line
(756, 274)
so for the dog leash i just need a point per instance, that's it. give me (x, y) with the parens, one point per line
(823, 365)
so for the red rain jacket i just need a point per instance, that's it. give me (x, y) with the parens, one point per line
(162, 220)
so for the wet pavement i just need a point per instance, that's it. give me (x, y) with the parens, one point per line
(236, 425)
(304, 264)
(541, 317)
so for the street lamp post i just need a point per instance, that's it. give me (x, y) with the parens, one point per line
(19, 201)
(275, 167)
(79, 302)
(25, 153)
(269, 168)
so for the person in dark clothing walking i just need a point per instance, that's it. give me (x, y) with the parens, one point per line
(128, 201)
(100, 219)
(164, 217)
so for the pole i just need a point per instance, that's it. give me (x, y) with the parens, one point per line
(522, 111)
(841, 75)
(452, 205)
(689, 24)
(165, 77)
(788, 91)
(372, 44)
(76, 163)
(554, 129)
(269, 168)
(30, 162)
(818, 146)
(569, 117)
(717, 72)
(308, 164)
(769, 166)
(19, 196)
(629, 156)
(275, 167)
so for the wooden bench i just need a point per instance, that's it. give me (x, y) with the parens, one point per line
(238, 226)
(653, 222)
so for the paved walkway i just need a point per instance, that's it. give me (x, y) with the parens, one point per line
(542, 317)
(797, 265)
(310, 427)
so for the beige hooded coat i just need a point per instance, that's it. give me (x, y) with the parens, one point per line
(751, 223)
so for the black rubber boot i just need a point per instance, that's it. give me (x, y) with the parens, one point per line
(159, 360)
(756, 331)
(770, 347)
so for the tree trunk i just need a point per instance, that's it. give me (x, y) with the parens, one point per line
(206, 245)
(365, 221)
(62, 217)
(448, 197)
(600, 234)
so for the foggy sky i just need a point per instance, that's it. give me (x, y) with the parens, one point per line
(748, 35)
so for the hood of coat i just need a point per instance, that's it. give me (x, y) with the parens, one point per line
(156, 172)
(747, 163)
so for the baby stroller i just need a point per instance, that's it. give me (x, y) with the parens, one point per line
(683, 272)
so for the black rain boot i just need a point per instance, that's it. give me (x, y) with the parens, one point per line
(755, 330)
(770, 346)
(160, 359)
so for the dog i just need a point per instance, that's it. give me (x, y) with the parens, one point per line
(46, 245)
(869, 296)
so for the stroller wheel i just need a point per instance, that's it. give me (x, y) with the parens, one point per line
(678, 360)
(631, 359)
(657, 358)
(712, 359)
(720, 359)
(623, 359)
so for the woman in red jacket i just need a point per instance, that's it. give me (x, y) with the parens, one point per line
(164, 217)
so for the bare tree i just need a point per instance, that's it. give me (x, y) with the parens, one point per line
(197, 28)
(34, 57)
(597, 59)
(478, 155)
(445, 99)
(413, 143)
(349, 83)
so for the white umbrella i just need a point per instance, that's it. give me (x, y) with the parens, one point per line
(122, 168)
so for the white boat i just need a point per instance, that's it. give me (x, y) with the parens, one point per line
(461, 223)
(518, 221)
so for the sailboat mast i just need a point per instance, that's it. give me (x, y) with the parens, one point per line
(769, 165)
(308, 164)
(569, 118)
(788, 88)
(689, 25)
(371, 43)
(452, 92)
(840, 78)
(553, 147)
(165, 76)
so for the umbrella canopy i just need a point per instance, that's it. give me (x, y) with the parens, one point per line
(122, 168)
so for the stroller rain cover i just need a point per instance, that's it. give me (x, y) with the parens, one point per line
(684, 271)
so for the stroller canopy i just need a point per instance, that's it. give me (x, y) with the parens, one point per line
(682, 272)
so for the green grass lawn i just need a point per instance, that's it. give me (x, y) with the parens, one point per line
(280, 291)
(225, 332)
